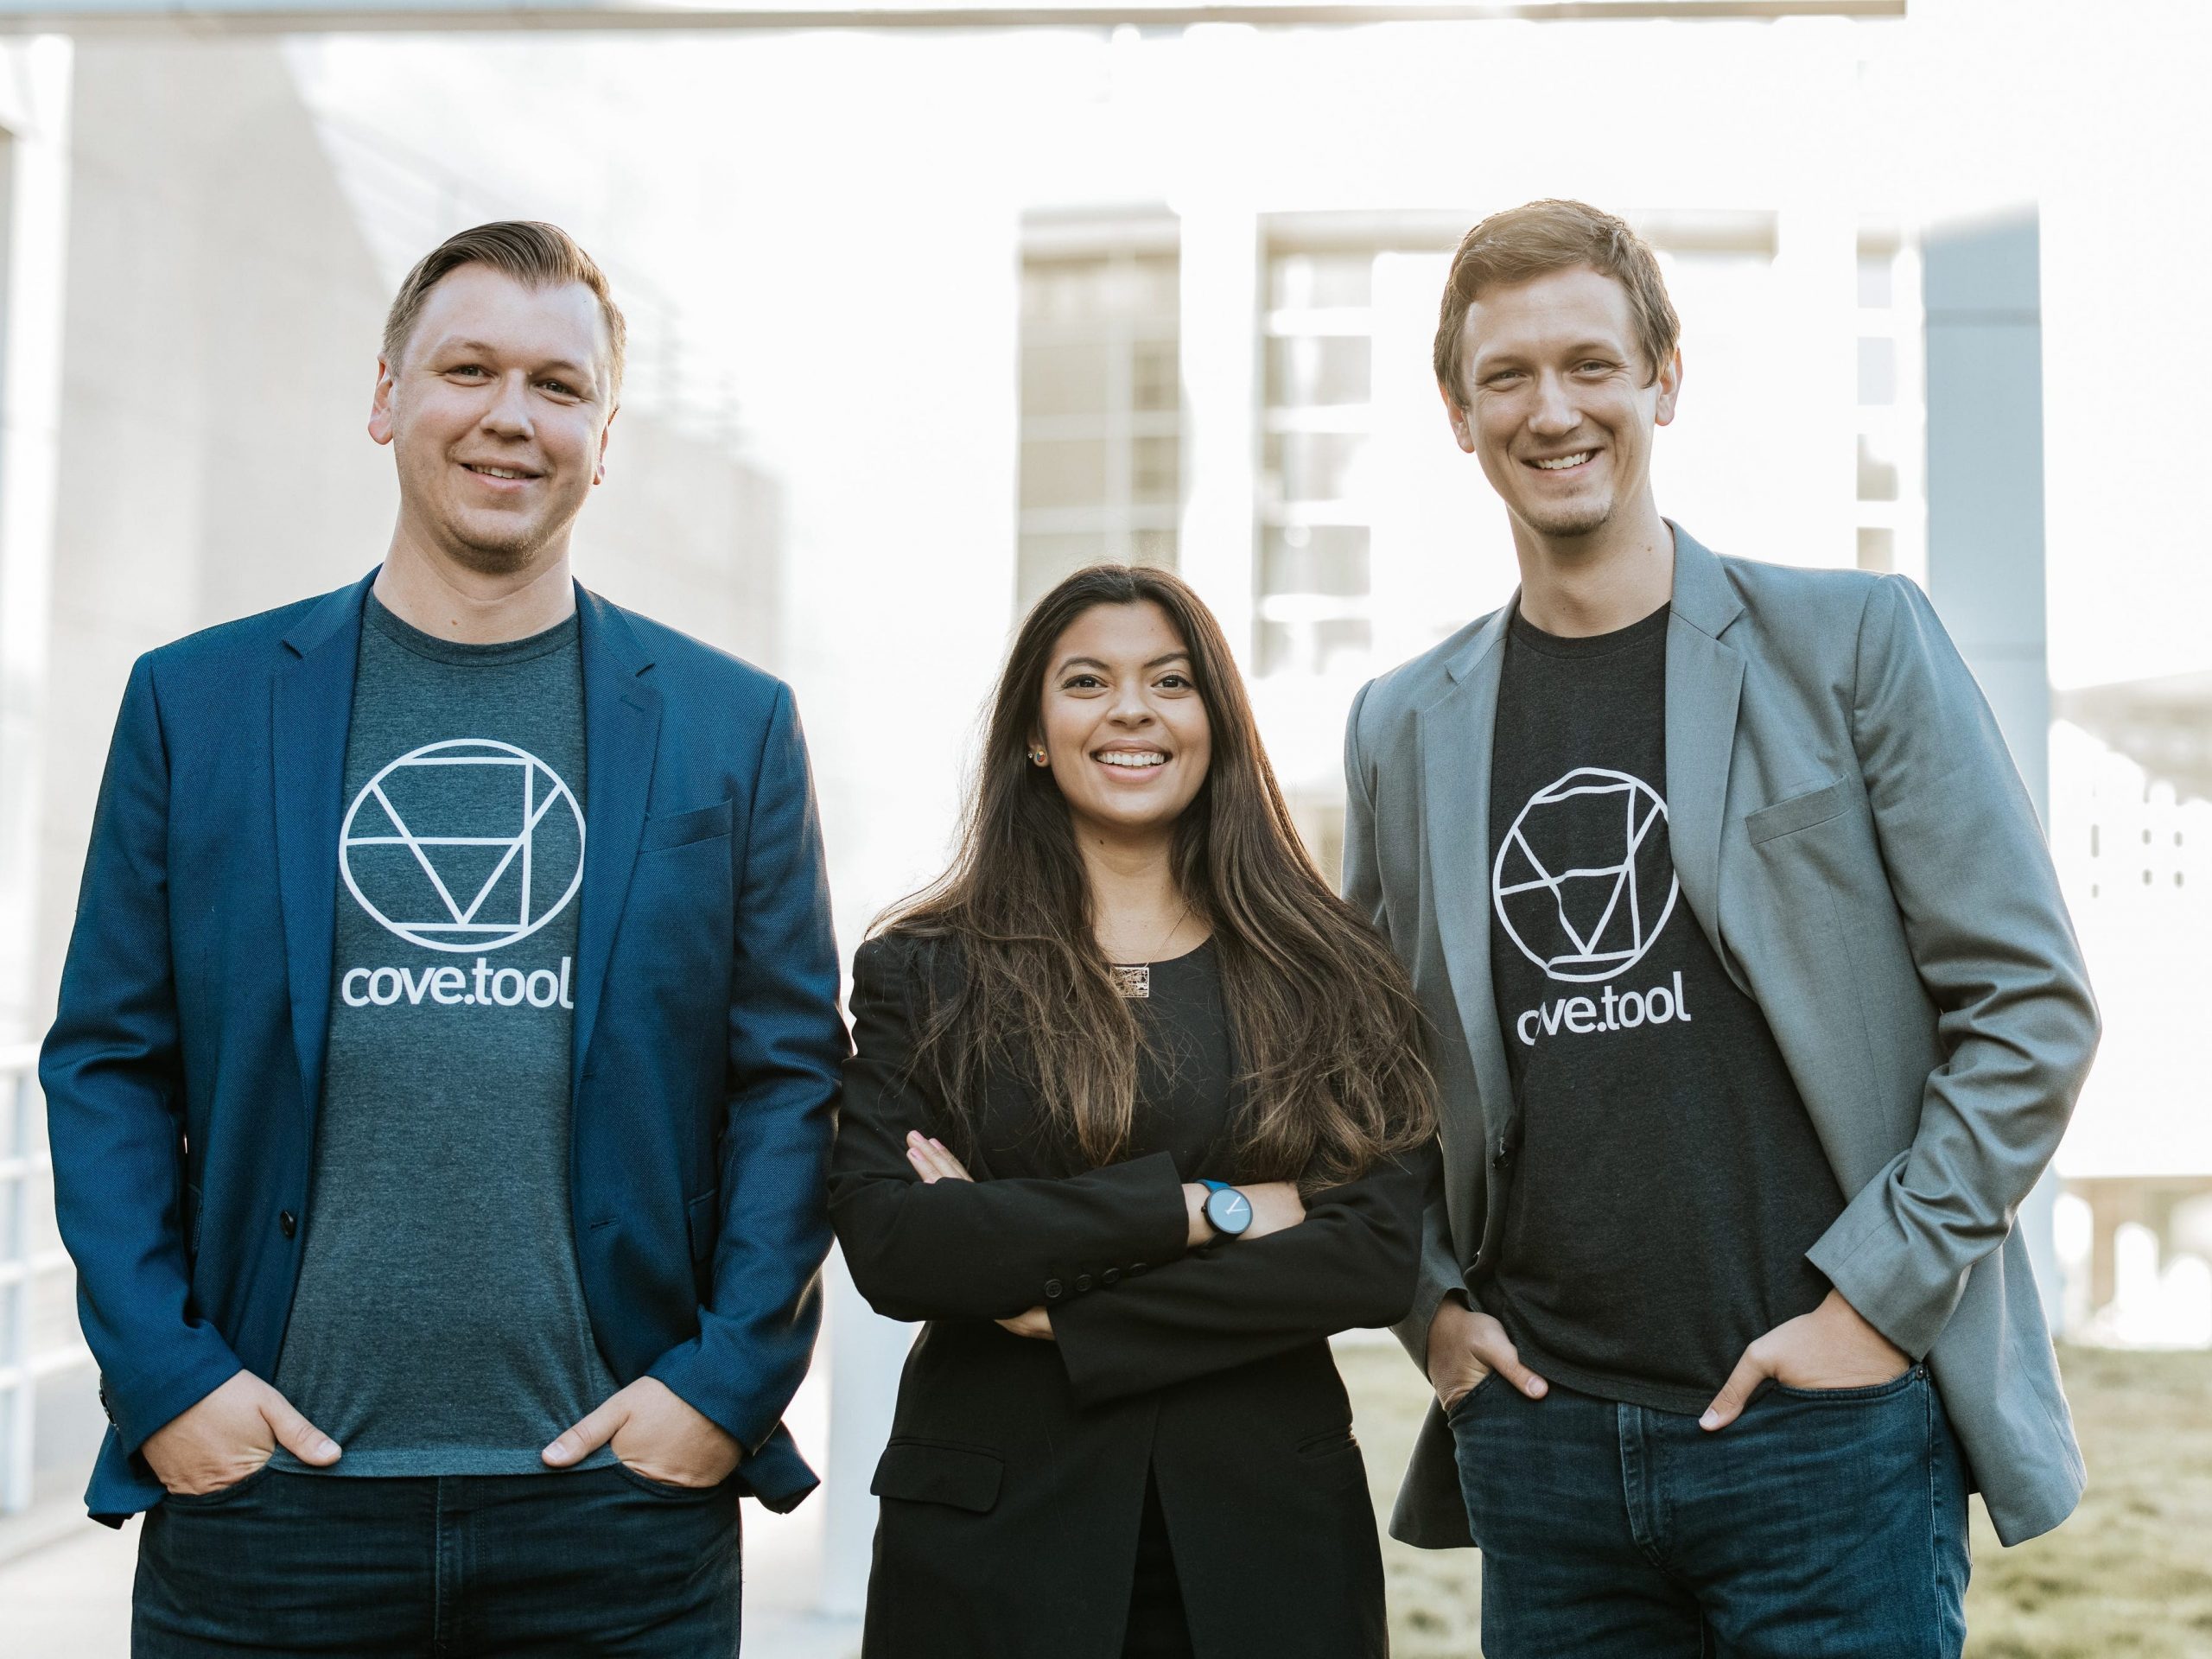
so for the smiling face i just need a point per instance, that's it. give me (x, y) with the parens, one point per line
(1561, 402)
(1121, 723)
(497, 412)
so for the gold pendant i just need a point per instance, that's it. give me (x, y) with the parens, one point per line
(1132, 980)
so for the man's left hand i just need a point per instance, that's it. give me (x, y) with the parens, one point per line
(1831, 1347)
(656, 1435)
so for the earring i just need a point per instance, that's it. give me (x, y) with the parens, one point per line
(1037, 756)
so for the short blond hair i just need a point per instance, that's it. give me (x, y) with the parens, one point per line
(1541, 237)
(535, 254)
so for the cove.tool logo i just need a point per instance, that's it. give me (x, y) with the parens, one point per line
(464, 845)
(1583, 881)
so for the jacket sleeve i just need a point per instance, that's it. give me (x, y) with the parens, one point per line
(1350, 1263)
(981, 1249)
(1989, 933)
(1438, 1275)
(786, 1042)
(112, 1073)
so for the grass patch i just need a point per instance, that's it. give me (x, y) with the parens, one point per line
(2130, 1574)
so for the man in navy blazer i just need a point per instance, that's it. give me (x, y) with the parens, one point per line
(442, 1084)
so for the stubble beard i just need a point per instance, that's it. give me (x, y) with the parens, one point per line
(1567, 521)
(499, 557)
(503, 544)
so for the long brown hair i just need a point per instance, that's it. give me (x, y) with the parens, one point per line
(1322, 1018)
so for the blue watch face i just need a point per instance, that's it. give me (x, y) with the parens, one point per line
(1230, 1210)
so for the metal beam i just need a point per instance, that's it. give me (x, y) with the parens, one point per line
(94, 18)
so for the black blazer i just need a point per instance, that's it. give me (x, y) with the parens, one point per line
(1013, 1487)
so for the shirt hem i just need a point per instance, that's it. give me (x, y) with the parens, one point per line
(1619, 1390)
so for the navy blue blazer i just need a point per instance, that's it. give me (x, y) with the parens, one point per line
(184, 1069)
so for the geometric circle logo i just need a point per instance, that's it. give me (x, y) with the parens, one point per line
(464, 845)
(1577, 881)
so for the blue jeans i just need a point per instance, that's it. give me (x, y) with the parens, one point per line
(598, 1561)
(1828, 1525)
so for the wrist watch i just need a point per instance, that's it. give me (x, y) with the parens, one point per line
(1228, 1211)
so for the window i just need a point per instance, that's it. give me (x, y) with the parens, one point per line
(1876, 278)
(1878, 474)
(1890, 418)
(1321, 822)
(1313, 582)
(1101, 467)
(1878, 371)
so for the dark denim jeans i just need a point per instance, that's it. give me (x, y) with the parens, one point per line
(1828, 1525)
(598, 1561)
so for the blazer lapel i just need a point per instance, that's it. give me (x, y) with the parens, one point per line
(311, 715)
(1455, 754)
(1705, 684)
(621, 734)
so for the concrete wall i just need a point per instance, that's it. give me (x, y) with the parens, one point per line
(687, 533)
(217, 361)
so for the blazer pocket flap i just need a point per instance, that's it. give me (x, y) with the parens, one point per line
(701, 1224)
(682, 828)
(953, 1475)
(1786, 818)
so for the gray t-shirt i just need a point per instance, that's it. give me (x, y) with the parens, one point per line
(439, 1327)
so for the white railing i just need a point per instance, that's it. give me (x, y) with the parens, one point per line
(38, 1324)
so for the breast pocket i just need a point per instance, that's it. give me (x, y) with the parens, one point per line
(1800, 811)
(672, 829)
(678, 933)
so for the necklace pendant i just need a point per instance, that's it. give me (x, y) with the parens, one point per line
(1132, 980)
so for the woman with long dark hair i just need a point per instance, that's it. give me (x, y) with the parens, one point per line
(1137, 1120)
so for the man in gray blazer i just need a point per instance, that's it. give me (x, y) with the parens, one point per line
(1756, 1015)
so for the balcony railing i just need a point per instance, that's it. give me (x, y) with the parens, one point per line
(39, 1336)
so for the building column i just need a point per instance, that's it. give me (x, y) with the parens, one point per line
(34, 86)
(1219, 352)
(1815, 275)
(1982, 288)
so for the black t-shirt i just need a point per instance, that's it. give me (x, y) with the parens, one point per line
(1665, 1182)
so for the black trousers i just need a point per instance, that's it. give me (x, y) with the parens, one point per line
(599, 1561)
(1157, 1627)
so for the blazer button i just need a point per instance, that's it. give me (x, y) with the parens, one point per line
(1083, 1281)
(1136, 1268)
(287, 1223)
(1053, 1289)
(1504, 1155)
(1112, 1275)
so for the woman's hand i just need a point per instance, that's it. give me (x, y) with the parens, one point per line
(1036, 1322)
(1276, 1206)
(933, 1163)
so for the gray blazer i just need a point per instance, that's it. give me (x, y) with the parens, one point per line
(1849, 831)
